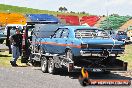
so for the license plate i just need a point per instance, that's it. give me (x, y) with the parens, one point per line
(96, 70)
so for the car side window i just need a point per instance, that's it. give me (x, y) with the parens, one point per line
(65, 33)
(58, 33)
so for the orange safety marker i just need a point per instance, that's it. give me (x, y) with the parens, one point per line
(85, 80)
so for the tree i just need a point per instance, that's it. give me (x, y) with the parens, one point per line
(61, 9)
(72, 12)
(114, 14)
(83, 12)
(64, 9)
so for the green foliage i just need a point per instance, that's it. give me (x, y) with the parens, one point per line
(129, 28)
(24, 10)
(5, 58)
(114, 22)
(127, 56)
(63, 9)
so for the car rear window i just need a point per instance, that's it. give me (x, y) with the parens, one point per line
(84, 33)
(122, 33)
(90, 33)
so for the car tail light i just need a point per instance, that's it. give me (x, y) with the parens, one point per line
(84, 46)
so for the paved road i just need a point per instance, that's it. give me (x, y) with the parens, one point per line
(32, 77)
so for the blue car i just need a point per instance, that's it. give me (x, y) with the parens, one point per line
(121, 36)
(76, 41)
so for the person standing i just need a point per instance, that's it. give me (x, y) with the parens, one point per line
(16, 43)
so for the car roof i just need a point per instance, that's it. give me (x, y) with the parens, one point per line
(78, 27)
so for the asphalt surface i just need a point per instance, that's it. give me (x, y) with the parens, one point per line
(32, 77)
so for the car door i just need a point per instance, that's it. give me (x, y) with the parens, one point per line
(55, 46)
(63, 41)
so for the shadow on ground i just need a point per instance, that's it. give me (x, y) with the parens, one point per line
(4, 55)
(92, 75)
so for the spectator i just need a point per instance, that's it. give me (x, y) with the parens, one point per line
(16, 43)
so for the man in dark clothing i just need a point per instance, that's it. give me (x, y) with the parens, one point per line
(16, 43)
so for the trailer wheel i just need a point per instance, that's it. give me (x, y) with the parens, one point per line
(44, 64)
(1, 41)
(34, 62)
(51, 66)
(68, 54)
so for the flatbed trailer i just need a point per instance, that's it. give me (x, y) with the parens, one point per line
(52, 62)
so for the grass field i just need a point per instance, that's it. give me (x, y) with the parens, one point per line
(5, 60)
(24, 10)
(127, 56)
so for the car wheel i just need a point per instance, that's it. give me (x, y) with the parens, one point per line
(51, 66)
(1, 41)
(44, 64)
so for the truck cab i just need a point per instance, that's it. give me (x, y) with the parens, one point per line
(10, 29)
(32, 20)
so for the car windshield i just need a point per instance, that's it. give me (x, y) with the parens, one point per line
(122, 33)
(12, 29)
(90, 33)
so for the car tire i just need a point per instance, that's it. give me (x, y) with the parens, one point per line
(1, 41)
(44, 64)
(51, 66)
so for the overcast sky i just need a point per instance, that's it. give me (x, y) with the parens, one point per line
(97, 7)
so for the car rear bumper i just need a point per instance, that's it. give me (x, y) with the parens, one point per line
(97, 52)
